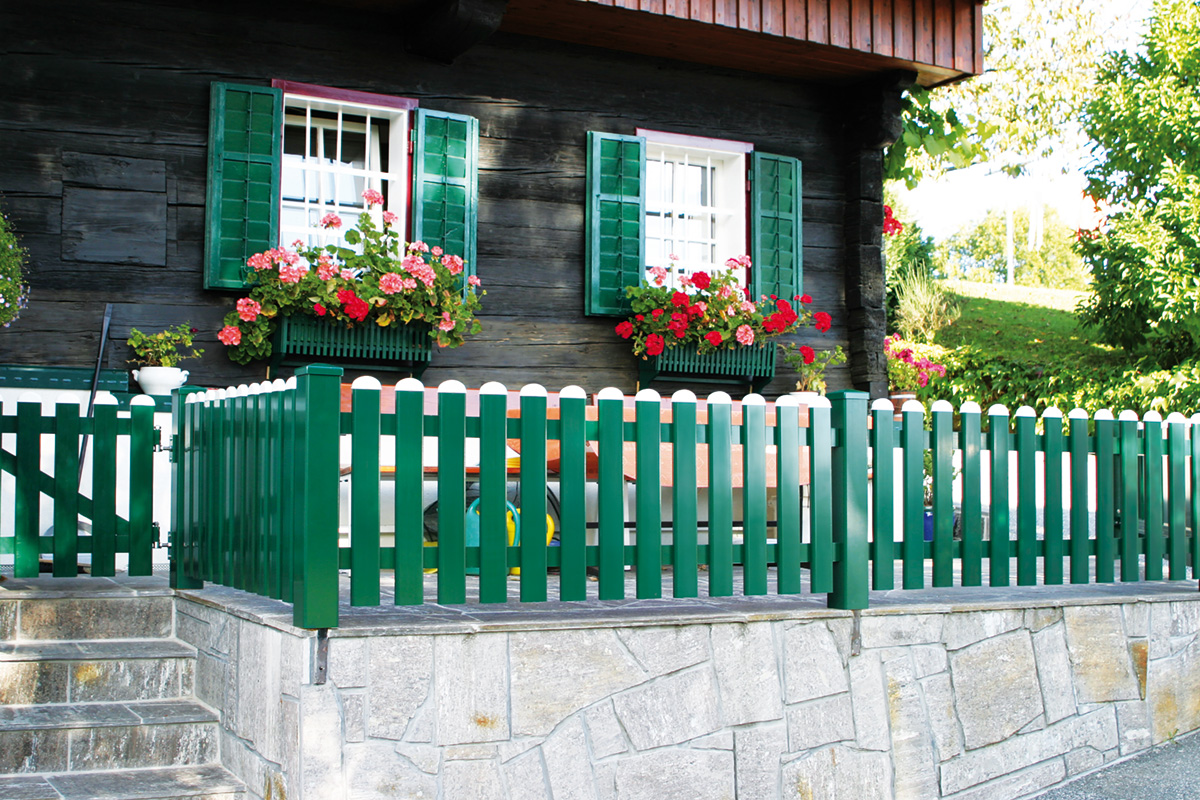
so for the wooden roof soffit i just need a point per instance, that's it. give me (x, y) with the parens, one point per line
(442, 30)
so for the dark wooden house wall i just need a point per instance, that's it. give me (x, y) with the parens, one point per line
(103, 129)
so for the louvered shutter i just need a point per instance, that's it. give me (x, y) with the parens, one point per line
(446, 183)
(615, 250)
(776, 246)
(244, 146)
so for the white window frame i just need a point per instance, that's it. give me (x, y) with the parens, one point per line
(722, 220)
(327, 183)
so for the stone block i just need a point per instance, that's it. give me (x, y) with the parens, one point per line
(349, 662)
(354, 713)
(965, 628)
(8, 620)
(842, 631)
(1137, 619)
(1185, 618)
(721, 740)
(289, 742)
(868, 691)
(1020, 784)
(211, 680)
(691, 774)
(43, 750)
(667, 649)
(1173, 693)
(604, 731)
(29, 682)
(143, 746)
(820, 722)
(258, 679)
(1083, 760)
(400, 681)
(294, 668)
(758, 754)
(97, 618)
(812, 665)
(125, 679)
(840, 773)
(525, 777)
(375, 772)
(929, 659)
(1133, 726)
(1100, 662)
(747, 673)
(478, 780)
(914, 765)
(996, 686)
(1038, 618)
(900, 630)
(321, 740)
(557, 673)
(567, 762)
(424, 757)
(943, 723)
(472, 688)
(669, 710)
(1054, 673)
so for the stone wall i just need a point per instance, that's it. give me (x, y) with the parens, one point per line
(904, 702)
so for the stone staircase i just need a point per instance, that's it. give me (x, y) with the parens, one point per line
(96, 697)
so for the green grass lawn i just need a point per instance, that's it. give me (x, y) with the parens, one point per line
(1025, 323)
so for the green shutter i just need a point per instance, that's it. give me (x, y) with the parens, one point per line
(446, 183)
(616, 245)
(244, 146)
(776, 247)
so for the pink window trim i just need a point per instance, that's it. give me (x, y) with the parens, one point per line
(684, 140)
(344, 95)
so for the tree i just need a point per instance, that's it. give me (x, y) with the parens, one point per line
(979, 253)
(1039, 69)
(1145, 259)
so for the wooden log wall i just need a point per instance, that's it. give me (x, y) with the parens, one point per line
(103, 125)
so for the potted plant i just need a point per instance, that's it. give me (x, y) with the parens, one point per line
(910, 367)
(398, 299)
(709, 326)
(161, 353)
(810, 367)
(13, 291)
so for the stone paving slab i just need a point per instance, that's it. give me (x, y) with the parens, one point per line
(103, 715)
(135, 649)
(211, 782)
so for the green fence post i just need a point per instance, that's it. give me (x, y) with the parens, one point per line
(610, 446)
(1153, 464)
(104, 488)
(289, 542)
(942, 440)
(1106, 528)
(912, 440)
(183, 570)
(365, 401)
(318, 411)
(883, 495)
(754, 495)
(1026, 441)
(409, 515)
(684, 509)
(1052, 563)
(572, 492)
(1177, 496)
(141, 486)
(1081, 449)
(533, 494)
(1127, 426)
(720, 494)
(999, 552)
(237, 484)
(789, 524)
(66, 489)
(451, 493)
(648, 493)
(28, 469)
(821, 551)
(849, 463)
(970, 438)
(493, 483)
(1194, 435)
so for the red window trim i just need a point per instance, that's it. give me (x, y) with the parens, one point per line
(687, 140)
(345, 95)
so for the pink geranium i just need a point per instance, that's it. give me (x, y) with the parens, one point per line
(248, 310)
(373, 197)
(290, 273)
(452, 263)
(745, 335)
(331, 220)
(473, 280)
(230, 335)
(390, 283)
(389, 218)
(447, 323)
(326, 269)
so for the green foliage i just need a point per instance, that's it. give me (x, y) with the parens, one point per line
(978, 253)
(914, 366)
(1145, 260)
(923, 306)
(810, 365)
(933, 134)
(13, 291)
(909, 250)
(165, 348)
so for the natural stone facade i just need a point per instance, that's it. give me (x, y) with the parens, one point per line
(900, 702)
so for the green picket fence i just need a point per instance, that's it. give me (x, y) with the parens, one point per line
(119, 446)
(258, 468)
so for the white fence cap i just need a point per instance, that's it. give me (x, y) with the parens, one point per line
(1025, 411)
(1052, 413)
(719, 397)
(1103, 414)
(647, 396)
(610, 393)
(572, 392)
(410, 385)
(493, 387)
(1078, 413)
(142, 400)
(451, 386)
(369, 382)
(1128, 415)
(754, 400)
(912, 405)
(683, 396)
(1152, 416)
(941, 406)
(533, 390)
(880, 404)
(970, 407)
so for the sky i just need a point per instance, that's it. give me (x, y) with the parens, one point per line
(961, 198)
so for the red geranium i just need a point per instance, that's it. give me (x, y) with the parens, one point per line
(701, 280)
(680, 299)
(714, 338)
(822, 321)
(807, 353)
(655, 344)
(625, 329)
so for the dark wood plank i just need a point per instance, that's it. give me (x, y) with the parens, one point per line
(903, 21)
(923, 30)
(839, 23)
(114, 172)
(881, 27)
(943, 31)
(860, 25)
(114, 227)
(964, 34)
(772, 19)
(795, 19)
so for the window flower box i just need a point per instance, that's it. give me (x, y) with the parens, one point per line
(302, 339)
(753, 365)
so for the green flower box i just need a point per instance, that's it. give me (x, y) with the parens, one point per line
(754, 365)
(301, 339)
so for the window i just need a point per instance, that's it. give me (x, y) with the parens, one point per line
(695, 202)
(655, 194)
(281, 157)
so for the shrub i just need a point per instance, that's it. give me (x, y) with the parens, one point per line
(13, 291)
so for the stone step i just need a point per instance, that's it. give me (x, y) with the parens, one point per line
(208, 782)
(99, 736)
(95, 671)
(67, 616)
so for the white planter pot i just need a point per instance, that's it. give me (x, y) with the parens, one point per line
(805, 398)
(160, 380)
